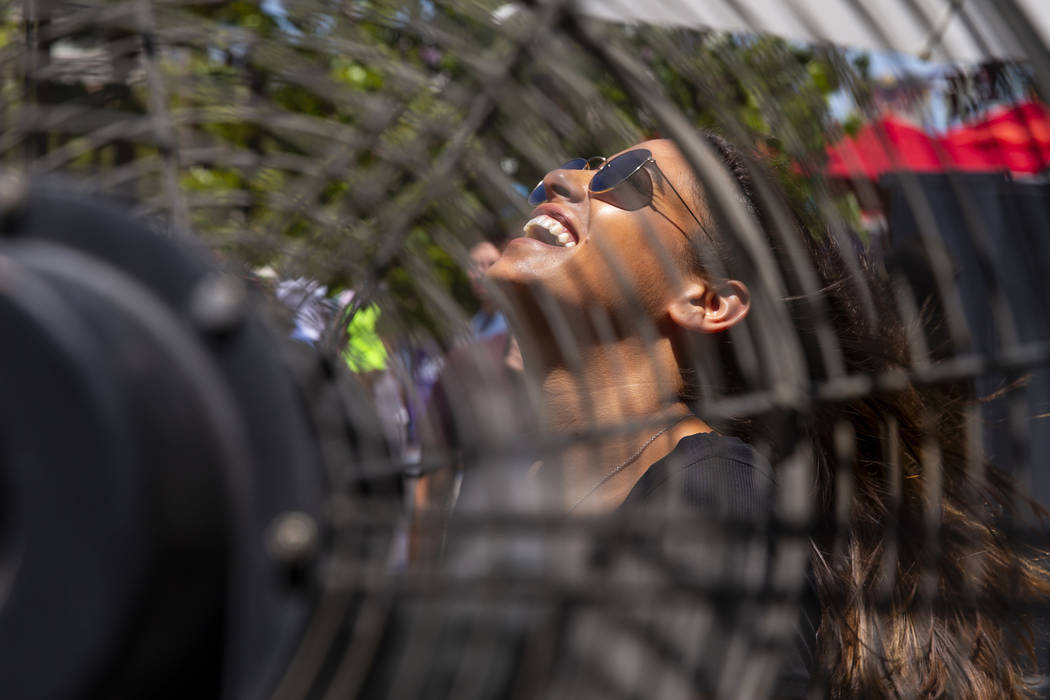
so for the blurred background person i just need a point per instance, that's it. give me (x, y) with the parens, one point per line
(489, 320)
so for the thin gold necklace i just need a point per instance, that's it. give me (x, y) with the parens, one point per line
(627, 462)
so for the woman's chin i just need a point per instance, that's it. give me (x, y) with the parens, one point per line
(528, 261)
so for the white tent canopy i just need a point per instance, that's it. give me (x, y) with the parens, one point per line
(939, 30)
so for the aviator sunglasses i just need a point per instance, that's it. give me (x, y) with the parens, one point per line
(624, 181)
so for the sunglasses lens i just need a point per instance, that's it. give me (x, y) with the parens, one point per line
(539, 193)
(623, 182)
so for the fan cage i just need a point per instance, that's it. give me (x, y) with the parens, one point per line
(369, 145)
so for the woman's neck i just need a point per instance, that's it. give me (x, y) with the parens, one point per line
(622, 398)
(607, 384)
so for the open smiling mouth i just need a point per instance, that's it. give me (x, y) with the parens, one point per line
(549, 230)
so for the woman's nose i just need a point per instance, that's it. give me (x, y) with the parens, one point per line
(567, 184)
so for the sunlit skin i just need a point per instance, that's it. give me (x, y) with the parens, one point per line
(598, 321)
(482, 256)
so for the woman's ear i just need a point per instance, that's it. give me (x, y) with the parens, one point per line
(710, 308)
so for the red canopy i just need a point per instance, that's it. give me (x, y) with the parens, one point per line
(885, 145)
(1015, 139)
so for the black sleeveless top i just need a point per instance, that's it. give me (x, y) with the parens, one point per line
(730, 487)
(637, 608)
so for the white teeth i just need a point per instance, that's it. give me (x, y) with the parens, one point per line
(549, 230)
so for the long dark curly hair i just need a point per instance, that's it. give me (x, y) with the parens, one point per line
(921, 592)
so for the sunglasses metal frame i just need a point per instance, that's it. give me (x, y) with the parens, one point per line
(586, 164)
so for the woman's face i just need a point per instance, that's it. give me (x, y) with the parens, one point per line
(613, 253)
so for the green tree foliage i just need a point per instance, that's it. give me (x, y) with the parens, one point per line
(368, 144)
